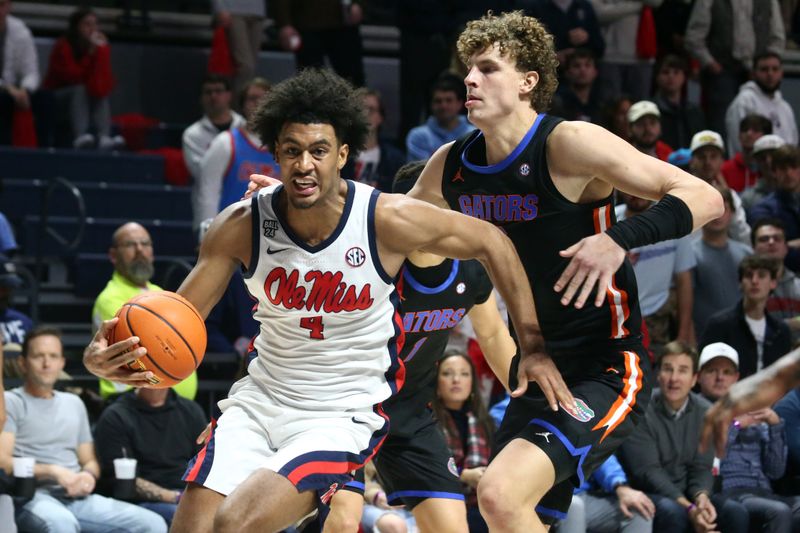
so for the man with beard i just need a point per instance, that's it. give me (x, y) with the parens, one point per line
(645, 124)
(580, 97)
(131, 253)
(762, 96)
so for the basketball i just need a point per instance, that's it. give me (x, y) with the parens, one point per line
(170, 328)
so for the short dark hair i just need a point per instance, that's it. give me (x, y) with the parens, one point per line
(39, 331)
(407, 176)
(767, 54)
(580, 53)
(447, 82)
(768, 221)
(673, 61)
(314, 96)
(213, 79)
(756, 122)
(679, 348)
(785, 157)
(759, 262)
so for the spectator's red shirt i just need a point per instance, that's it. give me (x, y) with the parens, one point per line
(737, 174)
(663, 150)
(92, 70)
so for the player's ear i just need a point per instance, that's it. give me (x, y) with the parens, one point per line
(344, 151)
(528, 81)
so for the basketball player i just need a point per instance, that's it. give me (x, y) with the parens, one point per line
(319, 254)
(548, 184)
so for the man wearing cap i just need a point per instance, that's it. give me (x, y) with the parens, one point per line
(644, 119)
(759, 338)
(14, 325)
(719, 369)
(763, 149)
(740, 171)
(708, 154)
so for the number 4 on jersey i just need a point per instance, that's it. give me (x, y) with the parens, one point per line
(315, 325)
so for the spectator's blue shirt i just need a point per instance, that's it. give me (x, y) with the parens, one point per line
(14, 326)
(423, 140)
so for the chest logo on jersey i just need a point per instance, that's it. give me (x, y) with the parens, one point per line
(270, 227)
(355, 257)
(458, 176)
(327, 291)
(461, 287)
(524, 169)
(500, 208)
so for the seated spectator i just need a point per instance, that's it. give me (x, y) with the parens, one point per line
(762, 96)
(158, 428)
(467, 426)
(230, 159)
(645, 127)
(680, 119)
(580, 95)
(662, 456)
(769, 239)
(378, 516)
(615, 116)
(605, 502)
(716, 272)
(80, 72)
(131, 253)
(741, 171)
(14, 325)
(706, 163)
(446, 122)
(784, 203)
(763, 149)
(657, 267)
(788, 408)
(759, 338)
(572, 23)
(378, 162)
(6, 503)
(755, 456)
(215, 97)
(719, 369)
(66, 467)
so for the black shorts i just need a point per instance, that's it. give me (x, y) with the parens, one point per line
(412, 468)
(612, 389)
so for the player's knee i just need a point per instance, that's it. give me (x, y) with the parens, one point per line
(228, 520)
(341, 522)
(391, 523)
(496, 501)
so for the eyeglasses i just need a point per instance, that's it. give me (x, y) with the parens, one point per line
(766, 238)
(134, 244)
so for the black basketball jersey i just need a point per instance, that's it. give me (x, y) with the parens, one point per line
(429, 313)
(518, 195)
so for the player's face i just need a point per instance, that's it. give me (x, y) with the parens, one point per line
(757, 284)
(132, 254)
(646, 131)
(676, 378)
(716, 377)
(455, 382)
(44, 361)
(495, 88)
(310, 157)
(771, 241)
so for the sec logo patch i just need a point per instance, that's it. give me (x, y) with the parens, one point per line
(355, 257)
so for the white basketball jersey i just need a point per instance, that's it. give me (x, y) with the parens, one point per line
(329, 326)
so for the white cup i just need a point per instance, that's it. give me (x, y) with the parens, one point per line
(23, 466)
(125, 468)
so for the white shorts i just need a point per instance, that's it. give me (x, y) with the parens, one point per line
(316, 450)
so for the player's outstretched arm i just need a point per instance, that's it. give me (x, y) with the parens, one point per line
(755, 392)
(404, 225)
(585, 159)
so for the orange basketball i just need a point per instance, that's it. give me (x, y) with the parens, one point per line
(171, 329)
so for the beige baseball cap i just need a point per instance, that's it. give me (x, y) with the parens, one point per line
(642, 108)
(719, 349)
(706, 138)
(768, 142)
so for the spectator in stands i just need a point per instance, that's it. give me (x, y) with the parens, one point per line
(243, 21)
(719, 369)
(762, 96)
(572, 23)
(783, 203)
(769, 239)
(66, 467)
(763, 149)
(706, 163)
(158, 428)
(230, 159)
(788, 408)
(657, 267)
(378, 162)
(622, 67)
(14, 325)
(579, 97)
(131, 253)
(446, 122)
(318, 29)
(759, 337)
(6, 503)
(716, 273)
(645, 127)
(467, 426)
(80, 73)
(741, 170)
(680, 119)
(755, 456)
(662, 456)
(726, 47)
(217, 117)
(605, 502)
(615, 116)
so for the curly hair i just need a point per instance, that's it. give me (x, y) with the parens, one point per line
(314, 96)
(520, 38)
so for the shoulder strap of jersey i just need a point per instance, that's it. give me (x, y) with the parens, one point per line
(453, 160)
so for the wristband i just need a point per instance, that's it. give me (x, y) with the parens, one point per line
(668, 219)
(691, 508)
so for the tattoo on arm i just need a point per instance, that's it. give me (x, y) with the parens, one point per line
(150, 492)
